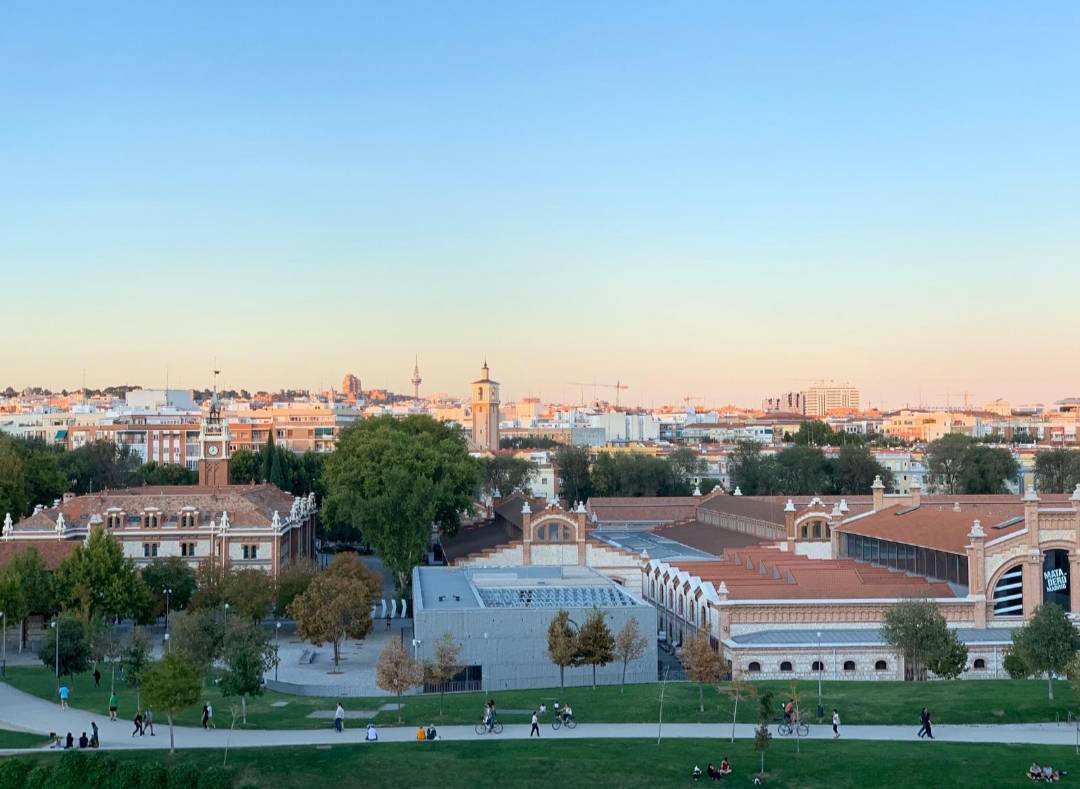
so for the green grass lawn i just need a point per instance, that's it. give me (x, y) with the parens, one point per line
(626, 764)
(20, 739)
(961, 701)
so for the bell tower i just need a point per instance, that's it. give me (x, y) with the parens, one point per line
(214, 445)
(485, 411)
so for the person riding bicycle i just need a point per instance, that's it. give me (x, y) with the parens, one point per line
(489, 714)
(789, 712)
(567, 713)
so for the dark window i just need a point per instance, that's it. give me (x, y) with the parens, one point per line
(979, 663)
(1008, 595)
(849, 665)
(754, 666)
(880, 665)
(817, 666)
(785, 666)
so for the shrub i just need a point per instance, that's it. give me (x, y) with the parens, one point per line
(1015, 666)
(153, 775)
(13, 773)
(215, 778)
(38, 778)
(183, 776)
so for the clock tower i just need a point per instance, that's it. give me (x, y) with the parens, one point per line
(485, 411)
(214, 447)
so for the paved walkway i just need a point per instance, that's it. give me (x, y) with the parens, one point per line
(24, 712)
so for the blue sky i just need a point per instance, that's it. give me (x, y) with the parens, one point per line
(697, 198)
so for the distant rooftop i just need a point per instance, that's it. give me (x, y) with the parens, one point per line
(457, 588)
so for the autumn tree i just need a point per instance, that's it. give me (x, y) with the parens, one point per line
(630, 645)
(445, 666)
(250, 594)
(171, 684)
(292, 582)
(397, 671)
(334, 607)
(563, 644)
(703, 664)
(391, 481)
(596, 645)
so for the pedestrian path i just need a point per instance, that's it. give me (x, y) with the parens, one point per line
(24, 712)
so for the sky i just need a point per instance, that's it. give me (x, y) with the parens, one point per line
(717, 200)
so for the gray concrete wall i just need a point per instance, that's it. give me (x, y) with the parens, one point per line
(514, 654)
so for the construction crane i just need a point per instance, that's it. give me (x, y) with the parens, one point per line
(949, 395)
(618, 385)
(690, 399)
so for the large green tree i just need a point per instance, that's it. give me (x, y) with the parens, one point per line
(572, 467)
(172, 684)
(686, 466)
(803, 470)
(596, 644)
(855, 469)
(74, 647)
(174, 574)
(987, 469)
(751, 472)
(248, 655)
(505, 474)
(98, 580)
(99, 465)
(919, 632)
(27, 567)
(200, 635)
(29, 475)
(945, 461)
(1046, 644)
(250, 594)
(1057, 470)
(394, 480)
(154, 473)
(816, 433)
(245, 467)
(562, 644)
(14, 496)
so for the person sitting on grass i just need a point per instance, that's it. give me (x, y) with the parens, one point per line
(56, 743)
(431, 733)
(712, 772)
(421, 735)
(83, 741)
(1035, 772)
(371, 735)
(725, 766)
(696, 773)
(69, 743)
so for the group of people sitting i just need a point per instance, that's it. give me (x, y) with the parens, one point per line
(1044, 773)
(714, 772)
(69, 742)
(429, 733)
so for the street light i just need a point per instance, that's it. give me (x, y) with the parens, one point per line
(168, 643)
(167, 592)
(226, 613)
(57, 663)
(277, 649)
(821, 669)
(416, 648)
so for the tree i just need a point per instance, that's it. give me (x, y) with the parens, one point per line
(762, 737)
(445, 666)
(703, 664)
(209, 585)
(802, 470)
(100, 581)
(99, 465)
(985, 469)
(562, 644)
(74, 649)
(596, 644)
(945, 460)
(174, 574)
(751, 472)
(267, 456)
(13, 601)
(250, 593)
(736, 690)
(394, 480)
(1057, 470)
(855, 469)
(1046, 644)
(397, 671)
(632, 474)
(172, 684)
(918, 631)
(686, 466)
(245, 467)
(248, 655)
(572, 467)
(333, 608)
(816, 433)
(14, 496)
(292, 582)
(154, 473)
(199, 634)
(135, 660)
(630, 645)
(28, 568)
(505, 474)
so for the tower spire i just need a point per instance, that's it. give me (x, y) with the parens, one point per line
(416, 379)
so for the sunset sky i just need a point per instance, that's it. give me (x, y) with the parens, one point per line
(712, 199)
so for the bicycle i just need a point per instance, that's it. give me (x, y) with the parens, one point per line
(483, 728)
(558, 722)
(785, 728)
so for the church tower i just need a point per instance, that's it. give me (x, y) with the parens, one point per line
(214, 446)
(485, 411)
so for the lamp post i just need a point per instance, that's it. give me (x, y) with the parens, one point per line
(168, 643)
(277, 649)
(3, 661)
(56, 665)
(821, 667)
(167, 592)
(416, 648)
(226, 613)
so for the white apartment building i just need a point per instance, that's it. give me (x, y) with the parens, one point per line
(825, 397)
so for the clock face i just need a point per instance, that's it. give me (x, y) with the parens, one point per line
(213, 450)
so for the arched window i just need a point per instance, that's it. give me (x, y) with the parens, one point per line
(187, 519)
(817, 530)
(1009, 593)
(754, 667)
(566, 534)
(704, 616)
(785, 666)
(803, 532)
(881, 665)
(979, 663)
(818, 666)
(849, 665)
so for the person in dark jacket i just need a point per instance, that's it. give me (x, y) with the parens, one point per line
(926, 730)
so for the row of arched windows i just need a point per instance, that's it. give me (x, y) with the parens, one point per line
(817, 665)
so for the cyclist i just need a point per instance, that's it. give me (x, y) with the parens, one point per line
(789, 712)
(489, 715)
(567, 713)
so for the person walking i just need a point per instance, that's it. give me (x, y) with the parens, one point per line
(835, 724)
(114, 703)
(64, 693)
(210, 715)
(97, 678)
(138, 725)
(924, 718)
(205, 716)
(148, 719)
(94, 740)
(339, 718)
(535, 725)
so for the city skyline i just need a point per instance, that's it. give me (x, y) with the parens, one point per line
(718, 203)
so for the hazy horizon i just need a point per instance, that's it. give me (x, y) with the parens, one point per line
(715, 201)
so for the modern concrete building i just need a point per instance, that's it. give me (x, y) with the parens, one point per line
(500, 616)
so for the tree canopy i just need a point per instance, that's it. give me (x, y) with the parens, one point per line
(595, 643)
(171, 573)
(505, 474)
(805, 470)
(98, 580)
(172, 684)
(572, 466)
(918, 630)
(960, 464)
(392, 480)
(336, 604)
(1046, 643)
(1057, 470)
(74, 647)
